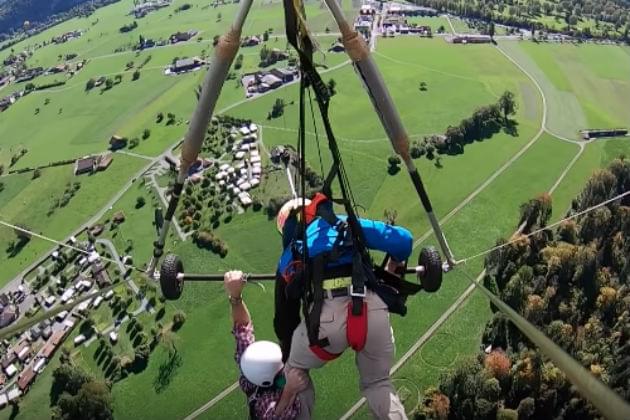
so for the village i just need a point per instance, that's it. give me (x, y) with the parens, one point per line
(67, 274)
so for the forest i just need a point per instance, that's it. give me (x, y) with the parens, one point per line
(41, 14)
(571, 283)
(530, 14)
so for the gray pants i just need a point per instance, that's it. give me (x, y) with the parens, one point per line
(373, 362)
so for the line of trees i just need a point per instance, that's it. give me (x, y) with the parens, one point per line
(572, 283)
(129, 27)
(524, 14)
(484, 123)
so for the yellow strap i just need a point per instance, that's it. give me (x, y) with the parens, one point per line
(336, 283)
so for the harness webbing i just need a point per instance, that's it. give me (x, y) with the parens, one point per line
(298, 37)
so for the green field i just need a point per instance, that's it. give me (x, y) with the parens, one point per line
(580, 84)
(586, 86)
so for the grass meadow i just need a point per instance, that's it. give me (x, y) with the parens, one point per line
(459, 79)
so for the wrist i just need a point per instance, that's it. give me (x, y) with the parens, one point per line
(235, 299)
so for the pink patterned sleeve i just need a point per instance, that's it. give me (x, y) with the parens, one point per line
(244, 335)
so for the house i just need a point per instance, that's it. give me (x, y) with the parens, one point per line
(97, 229)
(337, 47)
(35, 332)
(102, 279)
(182, 36)
(84, 165)
(284, 75)
(9, 314)
(103, 161)
(24, 353)
(117, 142)
(8, 359)
(118, 217)
(250, 41)
(367, 9)
(272, 81)
(187, 64)
(26, 378)
(10, 370)
(14, 394)
(39, 365)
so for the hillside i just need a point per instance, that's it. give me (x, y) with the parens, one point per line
(572, 283)
(13, 13)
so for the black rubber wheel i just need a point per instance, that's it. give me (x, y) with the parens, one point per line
(171, 286)
(431, 278)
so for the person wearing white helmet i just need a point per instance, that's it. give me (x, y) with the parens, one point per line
(271, 393)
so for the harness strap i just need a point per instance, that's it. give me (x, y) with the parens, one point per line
(323, 354)
(357, 327)
(312, 319)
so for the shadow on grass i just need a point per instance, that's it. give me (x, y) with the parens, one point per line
(166, 371)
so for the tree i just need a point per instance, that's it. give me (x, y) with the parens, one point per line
(239, 62)
(22, 232)
(140, 202)
(278, 108)
(136, 75)
(331, 87)
(146, 134)
(67, 378)
(109, 83)
(118, 78)
(93, 401)
(265, 36)
(507, 104)
(159, 117)
(134, 142)
(178, 320)
(37, 173)
(219, 17)
(491, 30)
(215, 40)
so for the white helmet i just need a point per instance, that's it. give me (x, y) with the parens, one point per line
(261, 362)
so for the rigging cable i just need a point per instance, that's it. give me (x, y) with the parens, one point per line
(559, 222)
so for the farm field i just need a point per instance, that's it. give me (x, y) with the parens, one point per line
(586, 86)
(491, 178)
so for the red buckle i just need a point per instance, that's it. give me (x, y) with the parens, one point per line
(323, 354)
(356, 329)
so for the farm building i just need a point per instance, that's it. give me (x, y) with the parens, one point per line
(250, 41)
(103, 161)
(471, 39)
(182, 36)
(187, 64)
(117, 142)
(285, 75)
(597, 133)
(85, 165)
(26, 378)
(9, 314)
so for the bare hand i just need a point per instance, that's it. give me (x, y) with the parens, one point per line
(297, 380)
(234, 281)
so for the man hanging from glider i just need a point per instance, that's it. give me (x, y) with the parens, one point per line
(271, 394)
(345, 300)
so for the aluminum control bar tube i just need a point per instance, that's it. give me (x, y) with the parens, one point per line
(364, 64)
(224, 54)
(250, 276)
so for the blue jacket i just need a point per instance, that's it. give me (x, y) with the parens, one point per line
(321, 236)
